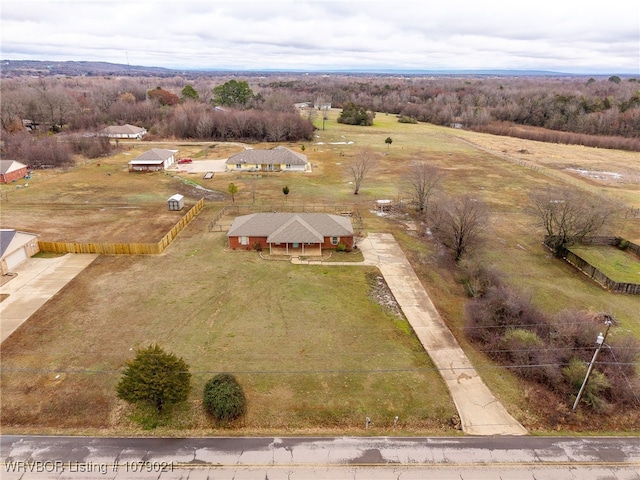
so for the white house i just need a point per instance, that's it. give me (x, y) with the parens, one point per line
(123, 131)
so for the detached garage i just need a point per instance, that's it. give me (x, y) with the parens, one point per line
(15, 248)
(154, 160)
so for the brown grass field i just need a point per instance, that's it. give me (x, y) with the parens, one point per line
(313, 349)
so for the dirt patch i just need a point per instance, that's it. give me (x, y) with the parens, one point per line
(382, 294)
(95, 223)
(4, 279)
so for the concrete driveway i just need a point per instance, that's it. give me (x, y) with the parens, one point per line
(480, 412)
(200, 166)
(34, 283)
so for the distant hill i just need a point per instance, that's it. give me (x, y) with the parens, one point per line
(17, 68)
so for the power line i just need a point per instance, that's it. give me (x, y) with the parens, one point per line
(314, 371)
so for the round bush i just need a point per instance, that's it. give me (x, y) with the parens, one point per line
(224, 398)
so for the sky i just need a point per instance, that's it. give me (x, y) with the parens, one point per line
(322, 35)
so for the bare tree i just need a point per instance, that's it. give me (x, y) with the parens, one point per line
(569, 215)
(459, 223)
(56, 104)
(362, 164)
(105, 97)
(423, 180)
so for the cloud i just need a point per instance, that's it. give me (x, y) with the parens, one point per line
(326, 34)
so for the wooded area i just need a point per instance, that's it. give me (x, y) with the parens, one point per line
(603, 112)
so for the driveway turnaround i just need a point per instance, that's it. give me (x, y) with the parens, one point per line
(480, 412)
(35, 282)
(307, 458)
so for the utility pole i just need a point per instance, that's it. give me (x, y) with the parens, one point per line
(599, 343)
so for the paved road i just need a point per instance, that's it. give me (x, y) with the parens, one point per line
(480, 412)
(271, 458)
(37, 280)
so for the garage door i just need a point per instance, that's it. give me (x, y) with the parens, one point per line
(16, 258)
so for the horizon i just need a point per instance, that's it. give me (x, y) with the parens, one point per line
(342, 70)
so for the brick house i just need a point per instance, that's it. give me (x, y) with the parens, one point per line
(11, 170)
(291, 233)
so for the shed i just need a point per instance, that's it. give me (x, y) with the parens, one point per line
(176, 202)
(383, 205)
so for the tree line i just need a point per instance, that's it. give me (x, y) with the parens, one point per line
(75, 110)
(602, 112)
(604, 107)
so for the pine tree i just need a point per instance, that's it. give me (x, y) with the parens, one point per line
(156, 378)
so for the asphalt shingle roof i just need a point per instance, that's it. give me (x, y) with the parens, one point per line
(155, 154)
(7, 166)
(281, 227)
(6, 235)
(123, 130)
(275, 156)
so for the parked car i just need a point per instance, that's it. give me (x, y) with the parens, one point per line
(185, 160)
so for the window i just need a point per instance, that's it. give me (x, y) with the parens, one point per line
(239, 166)
(244, 240)
(335, 240)
(288, 165)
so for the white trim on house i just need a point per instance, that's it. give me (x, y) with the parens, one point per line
(270, 160)
(123, 131)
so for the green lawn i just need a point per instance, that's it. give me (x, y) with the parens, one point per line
(618, 265)
(314, 352)
(312, 349)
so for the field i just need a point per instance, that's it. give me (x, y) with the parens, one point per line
(314, 350)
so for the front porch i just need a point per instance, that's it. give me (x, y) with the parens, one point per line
(296, 249)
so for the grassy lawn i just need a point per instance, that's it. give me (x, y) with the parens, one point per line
(314, 352)
(618, 265)
(312, 349)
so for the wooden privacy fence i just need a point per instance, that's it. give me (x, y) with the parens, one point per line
(124, 248)
(597, 275)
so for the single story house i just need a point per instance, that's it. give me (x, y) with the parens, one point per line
(273, 160)
(123, 131)
(153, 160)
(11, 170)
(291, 233)
(15, 248)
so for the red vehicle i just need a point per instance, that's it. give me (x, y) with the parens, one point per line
(185, 160)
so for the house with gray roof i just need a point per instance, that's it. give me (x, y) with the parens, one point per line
(291, 233)
(279, 159)
(123, 131)
(15, 248)
(11, 170)
(153, 160)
